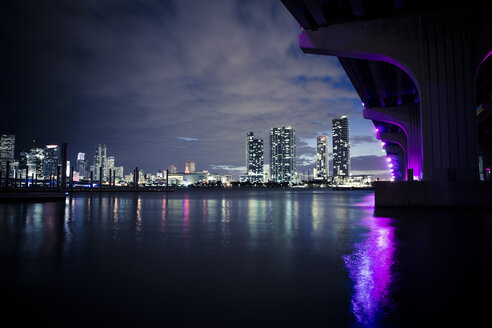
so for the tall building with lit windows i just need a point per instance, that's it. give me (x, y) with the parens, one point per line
(82, 165)
(51, 160)
(283, 154)
(7, 146)
(341, 146)
(254, 158)
(100, 160)
(322, 163)
(190, 167)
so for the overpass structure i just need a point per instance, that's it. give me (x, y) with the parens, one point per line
(424, 75)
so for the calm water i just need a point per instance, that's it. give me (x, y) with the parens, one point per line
(247, 258)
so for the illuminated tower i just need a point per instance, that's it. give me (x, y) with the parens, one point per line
(172, 169)
(322, 164)
(190, 167)
(82, 165)
(51, 160)
(283, 154)
(341, 146)
(7, 146)
(100, 159)
(254, 158)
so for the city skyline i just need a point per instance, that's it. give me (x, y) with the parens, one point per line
(323, 167)
(148, 104)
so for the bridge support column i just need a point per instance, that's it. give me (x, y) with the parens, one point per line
(406, 117)
(435, 49)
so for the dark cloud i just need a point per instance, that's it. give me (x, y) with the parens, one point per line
(355, 140)
(145, 76)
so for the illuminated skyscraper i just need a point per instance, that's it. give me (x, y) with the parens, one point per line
(7, 147)
(109, 164)
(34, 161)
(283, 154)
(82, 165)
(190, 167)
(322, 163)
(341, 146)
(172, 169)
(100, 159)
(254, 158)
(52, 159)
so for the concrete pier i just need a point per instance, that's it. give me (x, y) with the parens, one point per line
(459, 194)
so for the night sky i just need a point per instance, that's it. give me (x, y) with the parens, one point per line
(163, 82)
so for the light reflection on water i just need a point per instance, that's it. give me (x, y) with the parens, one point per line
(369, 267)
(302, 258)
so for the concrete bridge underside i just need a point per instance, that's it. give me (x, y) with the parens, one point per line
(417, 66)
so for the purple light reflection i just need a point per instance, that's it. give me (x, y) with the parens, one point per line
(369, 267)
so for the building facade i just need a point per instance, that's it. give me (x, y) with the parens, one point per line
(82, 167)
(322, 159)
(341, 146)
(254, 158)
(190, 167)
(33, 160)
(172, 169)
(52, 159)
(100, 159)
(7, 148)
(283, 154)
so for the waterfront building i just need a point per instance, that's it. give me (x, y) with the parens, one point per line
(7, 147)
(283, 154)
(51, 160)
(34, 161)
(322, 162)
(109, 166)
(186, 179)
(213, 178)
(254, 158)
(118, 172)
(100, 160)
(226, 179)
(82, 165)
(190, 167)
(172, 169)
(341, 146)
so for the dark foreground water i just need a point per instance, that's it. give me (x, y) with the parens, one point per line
(247, 258)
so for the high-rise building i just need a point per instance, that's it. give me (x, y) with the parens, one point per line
(254, 158)
(110, 164)
(190, 167)
(82, 165)
(7, 147)
(172, 169)
(341, 146)
(52, 159)
(283, 154)
(100, 159)
(322, 163)
(119, 173)
(34, 161)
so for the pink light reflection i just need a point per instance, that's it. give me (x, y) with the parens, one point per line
(186, 226)
(369, 267)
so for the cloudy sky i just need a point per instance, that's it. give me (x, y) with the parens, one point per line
(162, 82)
